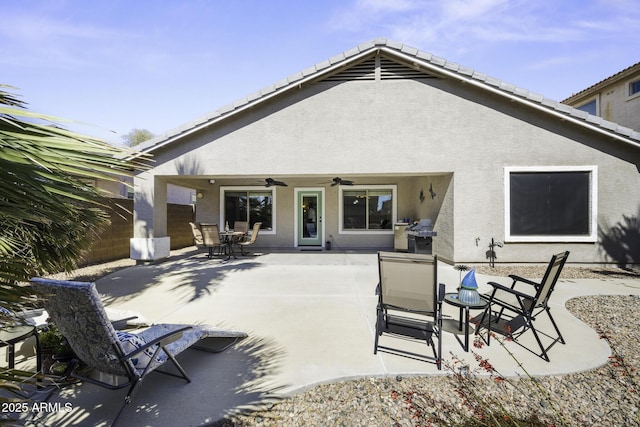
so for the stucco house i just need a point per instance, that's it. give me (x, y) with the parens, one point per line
(616, 98)
(385, 132)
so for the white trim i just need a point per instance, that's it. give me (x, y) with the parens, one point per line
(251, 188)
(630, 96)
(596, 99)
(593, 191)
(296, 192)
(394, 212)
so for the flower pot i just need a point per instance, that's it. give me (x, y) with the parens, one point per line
(469, 296)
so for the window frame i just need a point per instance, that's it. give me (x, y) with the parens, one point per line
(394, 208)
(593, 204)
(260, 188)
(630, 94)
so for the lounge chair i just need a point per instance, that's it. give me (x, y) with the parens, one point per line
(409, 300)
(513, 311)
(78, 312)
(252, 239)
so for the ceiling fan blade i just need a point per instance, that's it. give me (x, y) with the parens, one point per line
(339, 181)
(269, 182)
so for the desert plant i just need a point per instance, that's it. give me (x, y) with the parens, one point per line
(49, 206)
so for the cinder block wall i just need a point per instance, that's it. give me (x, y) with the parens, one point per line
(113, 242)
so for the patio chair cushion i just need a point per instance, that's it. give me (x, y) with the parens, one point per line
(130, 342)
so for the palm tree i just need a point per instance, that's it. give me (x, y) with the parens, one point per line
(49, 206)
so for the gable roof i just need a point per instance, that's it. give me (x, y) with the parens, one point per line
(420, 60)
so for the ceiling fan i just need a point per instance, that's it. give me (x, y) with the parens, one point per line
(339, 181)
(270, 182)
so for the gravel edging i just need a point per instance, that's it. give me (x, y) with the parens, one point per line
(605, 396)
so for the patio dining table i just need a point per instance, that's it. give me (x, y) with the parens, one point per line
(228, 238)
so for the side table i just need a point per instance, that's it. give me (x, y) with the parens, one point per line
(452, 299)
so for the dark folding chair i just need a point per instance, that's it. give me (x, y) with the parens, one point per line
(512, 311)
(409, 301)
(77, 311)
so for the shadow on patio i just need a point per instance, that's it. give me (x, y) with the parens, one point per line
(310, 319)
(230, 381)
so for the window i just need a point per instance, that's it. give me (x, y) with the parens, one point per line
(367, 209)
(634, 88)
(248, 204)
(553, 204)
(590, 107)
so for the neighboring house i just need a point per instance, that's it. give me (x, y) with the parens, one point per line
(616, 98)
(124, 190)
(416, 136)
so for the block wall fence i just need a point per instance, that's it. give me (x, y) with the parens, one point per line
(113, 242)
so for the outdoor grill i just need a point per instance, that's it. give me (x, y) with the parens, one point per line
(420, 236)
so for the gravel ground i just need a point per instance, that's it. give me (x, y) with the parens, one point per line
(607, 396)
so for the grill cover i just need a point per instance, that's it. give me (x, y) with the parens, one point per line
(424, 228)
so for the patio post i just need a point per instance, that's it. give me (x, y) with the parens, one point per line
(150, 241)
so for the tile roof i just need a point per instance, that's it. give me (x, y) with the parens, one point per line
(611, 79)
(426, 61)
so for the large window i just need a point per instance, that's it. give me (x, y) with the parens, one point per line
(367, 208)
(551, 204)
(248, 204)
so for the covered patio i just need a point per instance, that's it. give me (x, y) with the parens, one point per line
(310, 317)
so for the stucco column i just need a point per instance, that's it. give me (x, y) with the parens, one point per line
(150, 241)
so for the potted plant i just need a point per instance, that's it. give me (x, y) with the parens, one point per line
(55, 350)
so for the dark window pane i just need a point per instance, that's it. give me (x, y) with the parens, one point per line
(550, 203)
(380, 209)
(355, 210)
(235, 206)
(589, 107)
(261, 209)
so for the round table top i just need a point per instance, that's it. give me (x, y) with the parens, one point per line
(13, 334)
(452, 299)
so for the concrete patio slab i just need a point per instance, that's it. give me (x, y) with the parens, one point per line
(310, 317)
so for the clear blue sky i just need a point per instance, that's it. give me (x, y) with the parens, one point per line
(124, 64)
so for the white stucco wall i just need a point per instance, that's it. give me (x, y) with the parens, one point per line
(408, 133)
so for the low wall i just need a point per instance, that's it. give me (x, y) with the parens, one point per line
(113, 242)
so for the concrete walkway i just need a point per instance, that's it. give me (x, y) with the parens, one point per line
(310, 317)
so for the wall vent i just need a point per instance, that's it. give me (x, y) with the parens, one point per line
(388, 70)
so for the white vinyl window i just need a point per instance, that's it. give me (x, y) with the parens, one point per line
(251, 204)
(551, 204)
(367, 209)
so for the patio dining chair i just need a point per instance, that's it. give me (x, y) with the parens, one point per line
(211, 238)
(78, 312)
(409, 301)
(242, 226)
(198, 241)
(251, 239)
(513, 310)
